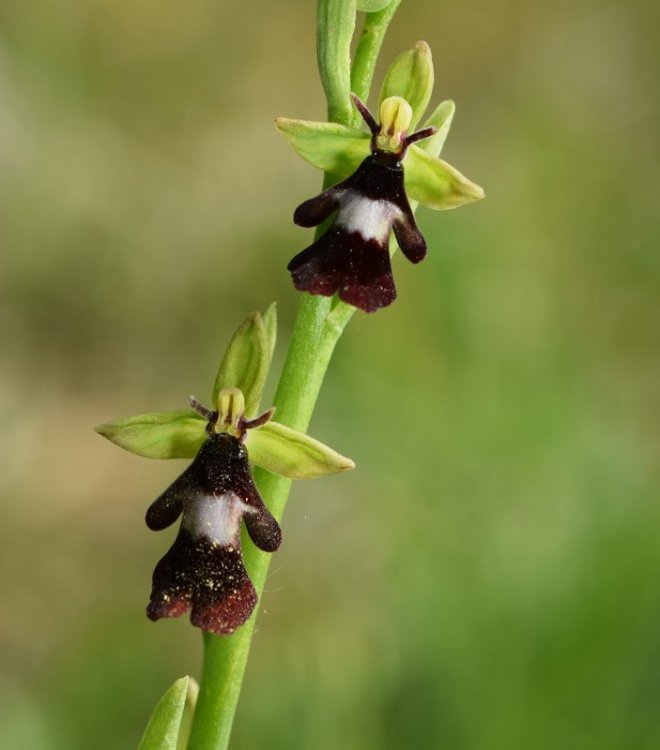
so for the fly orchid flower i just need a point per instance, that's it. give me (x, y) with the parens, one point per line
(352, 258)
(203, 570)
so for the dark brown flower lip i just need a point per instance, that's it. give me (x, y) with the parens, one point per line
(352, 258)
(357, 270)
(203, 571)
(209, 579)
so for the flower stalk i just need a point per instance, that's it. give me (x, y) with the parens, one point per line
(319, 323)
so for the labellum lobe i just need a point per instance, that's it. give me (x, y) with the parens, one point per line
(203, 571)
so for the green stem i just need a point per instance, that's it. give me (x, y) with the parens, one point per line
(335, 24)
(319, 324)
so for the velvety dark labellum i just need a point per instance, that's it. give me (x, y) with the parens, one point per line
(352, 258)
(207, 577)
(203, 571)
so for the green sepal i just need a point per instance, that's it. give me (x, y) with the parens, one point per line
(372, 6)
(163, 727)
(340, 150)
(410, 76)
(246, 362)
(440, 120)
(436, 184)
(161, 434)
(292, 454)
(326, 145)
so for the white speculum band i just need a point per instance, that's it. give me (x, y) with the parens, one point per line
(371, 219)
(216, 518)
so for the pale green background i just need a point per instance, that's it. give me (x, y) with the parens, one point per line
(489, 577)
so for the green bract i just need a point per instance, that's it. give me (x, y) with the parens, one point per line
(340, 150)
(240, 380)
(168, 723)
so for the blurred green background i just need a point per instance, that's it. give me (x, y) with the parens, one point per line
(489, 577)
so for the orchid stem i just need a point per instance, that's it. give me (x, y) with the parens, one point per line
(319, 324)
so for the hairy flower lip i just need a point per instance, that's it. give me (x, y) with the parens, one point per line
(209, 579)
(352, 257)
(203, 570)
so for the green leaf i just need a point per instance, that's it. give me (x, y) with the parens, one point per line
(162, 732)
(410, 76)
(163, 434)
(371, 6)
(335, 23)
(245, 364)
(333, 148)
(270, 323)
(436, 184)
(188, 714)
(292, 454)
(440, 120)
